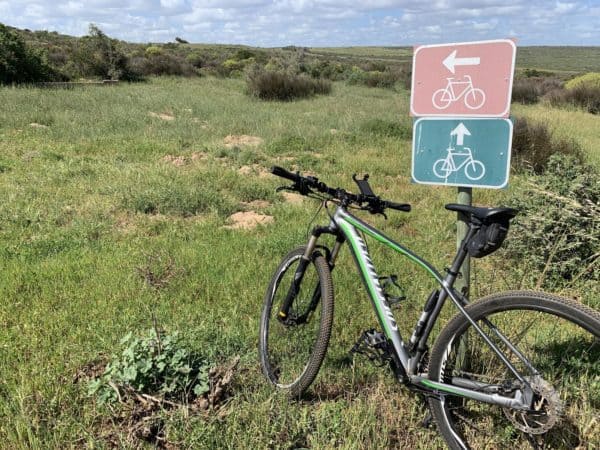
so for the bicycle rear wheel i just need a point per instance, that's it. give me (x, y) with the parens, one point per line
(292, 349)
(561, 340)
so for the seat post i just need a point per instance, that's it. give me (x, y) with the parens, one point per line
(457, 266)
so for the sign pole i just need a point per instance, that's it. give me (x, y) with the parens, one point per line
(465, 197)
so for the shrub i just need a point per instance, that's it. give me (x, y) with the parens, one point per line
(585, 96)
(162, 64)
(529, 90)
(533, 145)
(525, 91)
(20, 63)
(97, 55)
(557, 232)
(591, 80)
(268, 85)
(154, 364)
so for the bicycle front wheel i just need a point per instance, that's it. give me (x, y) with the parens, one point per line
(558, 337)
(292, 348)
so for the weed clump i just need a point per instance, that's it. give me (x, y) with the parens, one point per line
(533, 145)
(154, 365)
(270, 85)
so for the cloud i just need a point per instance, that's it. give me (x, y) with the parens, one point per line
(316, 22)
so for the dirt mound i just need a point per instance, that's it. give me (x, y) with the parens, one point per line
(294, 199)
(246, 220)
(254, 169)
(242, 140)
(162, 116)
(181, 160)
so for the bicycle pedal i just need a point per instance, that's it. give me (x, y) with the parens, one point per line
(374, 346)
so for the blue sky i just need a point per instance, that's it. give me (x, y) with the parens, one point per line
(316, 22)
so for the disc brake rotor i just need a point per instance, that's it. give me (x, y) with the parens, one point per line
(545, 412)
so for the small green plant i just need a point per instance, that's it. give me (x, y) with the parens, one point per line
(156, 365)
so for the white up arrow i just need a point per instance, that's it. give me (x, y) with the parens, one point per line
(451, 61)
(460, 132)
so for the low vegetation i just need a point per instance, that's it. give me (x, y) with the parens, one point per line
(122, 216)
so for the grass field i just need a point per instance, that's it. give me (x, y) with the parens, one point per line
(112, 182)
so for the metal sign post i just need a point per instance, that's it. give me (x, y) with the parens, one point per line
(465, 197)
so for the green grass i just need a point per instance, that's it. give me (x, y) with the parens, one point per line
(88, 198)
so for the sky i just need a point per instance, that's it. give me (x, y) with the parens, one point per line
(314, 23)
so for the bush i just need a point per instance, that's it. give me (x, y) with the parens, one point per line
(529, 90)
(525, 91)
(584, 96)
(18, 62)
(590, 80)
(159, 63)
(557, 232)
(533, 145)
(268, 85)
(97, 55)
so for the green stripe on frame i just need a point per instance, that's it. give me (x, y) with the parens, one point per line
(348, 231)
(391, 244)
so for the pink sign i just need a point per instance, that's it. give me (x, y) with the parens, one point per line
(467, 79)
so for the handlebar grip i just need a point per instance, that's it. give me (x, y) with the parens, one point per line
(398, 206)
(281, 172)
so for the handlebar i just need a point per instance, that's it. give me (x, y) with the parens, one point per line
(366, 200)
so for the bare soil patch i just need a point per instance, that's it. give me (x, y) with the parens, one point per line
(177, 161)
(294, 199)
(254, 169)
(242, 140)
(162, 116)
(256, 204)
(247, 220)
(38, 125)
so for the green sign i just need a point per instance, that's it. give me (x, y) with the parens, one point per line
(462, 152)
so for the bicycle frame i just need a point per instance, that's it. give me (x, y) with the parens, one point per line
(406, 357)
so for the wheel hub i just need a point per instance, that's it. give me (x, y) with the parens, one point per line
(545, 412)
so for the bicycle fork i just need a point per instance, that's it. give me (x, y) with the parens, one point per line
(305, 260)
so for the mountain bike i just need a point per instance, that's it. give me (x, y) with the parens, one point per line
(473, 97)
(474, 169)
(510, 370)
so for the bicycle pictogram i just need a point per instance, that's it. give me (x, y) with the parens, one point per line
(455, 89)
(474, 169)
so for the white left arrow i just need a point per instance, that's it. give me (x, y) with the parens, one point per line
(452, 61)
(460, 132)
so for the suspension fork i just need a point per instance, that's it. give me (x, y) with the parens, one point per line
(301, 270)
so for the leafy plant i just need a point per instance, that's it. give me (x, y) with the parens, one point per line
(156, 365)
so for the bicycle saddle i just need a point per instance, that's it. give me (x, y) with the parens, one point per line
(483, 213)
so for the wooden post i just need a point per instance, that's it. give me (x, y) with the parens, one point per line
(465, 197)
